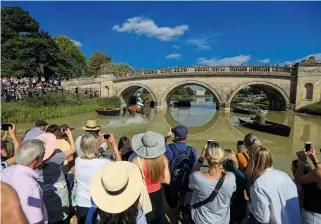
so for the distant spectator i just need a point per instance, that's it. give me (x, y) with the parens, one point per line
(125, 148)
(250, 142)
(150, 157)
(118, 206)
(273, 195)
(22, 177)
(39, 129)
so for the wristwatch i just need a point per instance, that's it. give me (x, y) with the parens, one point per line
(4, 165)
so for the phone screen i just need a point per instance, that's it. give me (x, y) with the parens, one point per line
(209, 140)
(64, 130)
(106, 136)
(5, 127)
(240, 142)
(307, 146)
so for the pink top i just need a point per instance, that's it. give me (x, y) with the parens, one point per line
(23, 180)
(151, 186)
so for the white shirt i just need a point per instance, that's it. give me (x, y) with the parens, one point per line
(274, 199)
(85, 170)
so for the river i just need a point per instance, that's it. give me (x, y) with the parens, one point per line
(205, 122)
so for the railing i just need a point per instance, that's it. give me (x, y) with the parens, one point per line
(208, 69)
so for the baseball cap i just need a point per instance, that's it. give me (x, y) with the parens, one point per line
(180, 131)
(40, 123)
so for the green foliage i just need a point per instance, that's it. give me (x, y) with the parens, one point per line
(184, 91)
(76, 60)
(26, 51)
(52, 107)
(96, 61)
(314, 109)
(113, 67)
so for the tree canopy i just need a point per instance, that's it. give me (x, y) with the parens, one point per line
(77, 61)
(113, 67)
(96, 61)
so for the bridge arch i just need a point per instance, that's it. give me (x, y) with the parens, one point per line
(167, 93)
(277, 97)
(128, 91)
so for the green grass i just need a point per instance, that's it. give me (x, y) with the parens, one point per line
(314, 109)
(53, 106)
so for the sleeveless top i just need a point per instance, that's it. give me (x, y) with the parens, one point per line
(312, 198)
(151, 186)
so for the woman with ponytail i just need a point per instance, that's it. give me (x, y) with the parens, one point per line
(207, 206)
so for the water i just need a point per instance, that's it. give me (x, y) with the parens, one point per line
(205, 122)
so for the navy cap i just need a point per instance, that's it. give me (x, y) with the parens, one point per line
(180, 131)
(40, 123)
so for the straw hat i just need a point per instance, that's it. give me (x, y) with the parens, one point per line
(50, 143)
(148, 145)
(115, 187)
(91, 125)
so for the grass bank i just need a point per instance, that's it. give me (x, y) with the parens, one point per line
(314, 109)
(37, 108)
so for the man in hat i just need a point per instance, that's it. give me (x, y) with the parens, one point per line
(178, 152)
(91, 127)
(39, 129)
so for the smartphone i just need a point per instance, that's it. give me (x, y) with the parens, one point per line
(307, 146)
(240, 142)
(170, 130)
(64, 130)
(106, 136)
(5, 127)
(209, 140)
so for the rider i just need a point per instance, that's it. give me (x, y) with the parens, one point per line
(139, 101)
(261, 116)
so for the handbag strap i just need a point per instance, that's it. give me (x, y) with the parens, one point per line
(213, 194)
(140, 167)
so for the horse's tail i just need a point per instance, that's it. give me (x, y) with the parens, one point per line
(124, 110)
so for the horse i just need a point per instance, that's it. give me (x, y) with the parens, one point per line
(133, 109)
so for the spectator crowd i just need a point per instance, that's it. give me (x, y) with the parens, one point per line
(14, 89)
(152, 178)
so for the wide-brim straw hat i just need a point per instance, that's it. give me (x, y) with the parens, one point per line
(91, 125)
(116, 187)
(148, 145)
(50, 141)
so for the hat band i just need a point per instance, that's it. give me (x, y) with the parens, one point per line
(91, 127)
(121, 190)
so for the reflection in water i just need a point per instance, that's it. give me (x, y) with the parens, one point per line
(205, 122)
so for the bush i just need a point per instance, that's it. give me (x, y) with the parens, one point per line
(314, 109)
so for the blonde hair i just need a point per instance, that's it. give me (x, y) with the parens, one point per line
(214, 155)
(156, 168)
(251, 141)
(230, 155)
(261, 159)
(89, 145)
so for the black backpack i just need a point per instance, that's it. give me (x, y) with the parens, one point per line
(180, 168)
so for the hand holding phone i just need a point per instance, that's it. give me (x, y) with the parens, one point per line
(209, 141)
(240, 142)
(106, 136)
(5, 127)
(307, 146)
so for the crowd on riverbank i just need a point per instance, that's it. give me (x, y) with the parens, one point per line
(53, 176)
(14, 89)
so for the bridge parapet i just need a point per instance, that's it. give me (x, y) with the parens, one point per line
(264, 70)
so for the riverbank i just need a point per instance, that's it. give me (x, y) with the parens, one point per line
(314, 109)
(35, 108)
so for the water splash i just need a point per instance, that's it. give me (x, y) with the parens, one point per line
(137, 119)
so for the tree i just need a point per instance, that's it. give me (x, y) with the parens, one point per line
(113, 67)
(77, 60)
(26, 51)
(189, 91)
(208, 92)
(96, 61)
(15, 21)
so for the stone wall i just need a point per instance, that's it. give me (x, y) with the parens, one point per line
(308, 73)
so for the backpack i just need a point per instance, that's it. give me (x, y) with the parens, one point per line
(180, 167)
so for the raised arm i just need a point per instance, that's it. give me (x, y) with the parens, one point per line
(200, 161)
(13, 136)
(166, 173)
(114, 145)
(72, 145)
(313, 176)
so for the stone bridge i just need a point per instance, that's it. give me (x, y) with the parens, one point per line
(285, 87)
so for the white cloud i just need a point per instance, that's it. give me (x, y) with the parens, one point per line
(317, 58)
(77, 43)
(176, 47)
(173, 56)
(265, 61)
(201, 43)
(147, 27)
(236, 61)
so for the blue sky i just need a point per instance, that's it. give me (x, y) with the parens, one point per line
(163, 34)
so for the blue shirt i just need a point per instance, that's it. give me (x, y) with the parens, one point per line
(181, 146)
